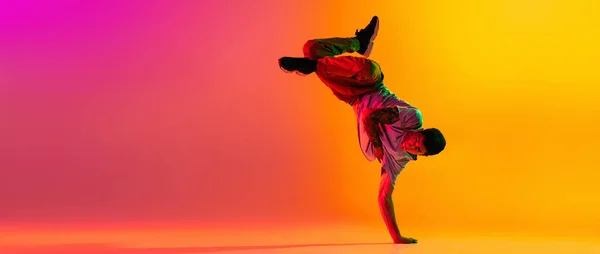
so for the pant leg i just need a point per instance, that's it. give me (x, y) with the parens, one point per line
(349, 77)
(320, 48)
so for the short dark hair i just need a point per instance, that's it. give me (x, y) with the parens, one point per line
(433, 141)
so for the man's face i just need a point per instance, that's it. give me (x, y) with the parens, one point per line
(413, 143)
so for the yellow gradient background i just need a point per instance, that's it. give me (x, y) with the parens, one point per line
(515, 87)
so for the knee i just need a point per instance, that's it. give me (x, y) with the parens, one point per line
(375, 74)
(310, 49)
(370, 72)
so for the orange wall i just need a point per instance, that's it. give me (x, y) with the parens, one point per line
(170, 111)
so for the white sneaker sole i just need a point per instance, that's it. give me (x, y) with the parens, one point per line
(296, 72)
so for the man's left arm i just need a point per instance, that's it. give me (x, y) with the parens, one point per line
(373, 117)
(402, 117)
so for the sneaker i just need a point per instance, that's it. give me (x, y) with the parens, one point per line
(366, 36)
(298, 65)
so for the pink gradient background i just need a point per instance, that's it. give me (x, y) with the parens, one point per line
(151, 110)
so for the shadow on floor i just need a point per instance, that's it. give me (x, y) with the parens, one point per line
(242, 248)
(111, 249)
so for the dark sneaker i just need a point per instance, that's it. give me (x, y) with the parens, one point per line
(366, 36)
(299, 65)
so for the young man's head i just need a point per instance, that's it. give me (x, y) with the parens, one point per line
(424, 142)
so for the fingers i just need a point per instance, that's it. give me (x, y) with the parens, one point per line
(407, 240)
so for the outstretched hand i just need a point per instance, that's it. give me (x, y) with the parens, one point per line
(378, 152)
(405, 240)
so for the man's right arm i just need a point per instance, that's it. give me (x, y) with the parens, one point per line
(386, 205)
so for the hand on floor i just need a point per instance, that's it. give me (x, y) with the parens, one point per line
(405, 240)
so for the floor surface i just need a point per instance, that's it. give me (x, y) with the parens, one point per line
(292, 240)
